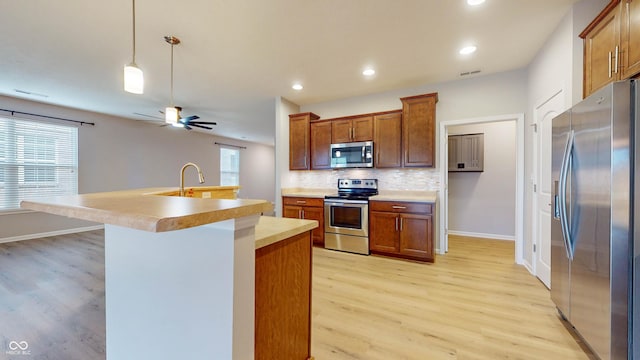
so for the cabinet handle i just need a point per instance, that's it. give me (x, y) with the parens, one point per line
(396, 223)
(610, 64)
(305, 157)
(354, 133)
(302, 217)
(301, 201)
(399, 207)
(400, 224)
(299, 213)
(616, 61)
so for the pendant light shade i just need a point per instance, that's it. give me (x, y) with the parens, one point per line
(133, 78)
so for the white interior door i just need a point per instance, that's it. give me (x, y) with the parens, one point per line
(543, 187)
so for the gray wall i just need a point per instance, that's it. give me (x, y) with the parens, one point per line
(483, 204)
(121, 154)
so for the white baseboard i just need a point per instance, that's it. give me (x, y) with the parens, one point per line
(50, 233)
(481, 235)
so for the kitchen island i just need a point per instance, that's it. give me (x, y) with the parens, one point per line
(179, 272)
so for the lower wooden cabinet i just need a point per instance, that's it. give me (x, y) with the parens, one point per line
(306, 208)
(283, 300)
(401, 229)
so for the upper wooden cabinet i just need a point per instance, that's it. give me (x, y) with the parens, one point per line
(387, 140)
(612, 45)
(352, 129)
(320, 145)
(630, 38)
(299, 132)
(418, 130)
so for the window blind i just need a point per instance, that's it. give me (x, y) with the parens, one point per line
(229, 167)
(36, 160)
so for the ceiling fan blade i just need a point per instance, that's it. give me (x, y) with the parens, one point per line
(187, 127)
(203, 122)
(189, 118)
(201, 126)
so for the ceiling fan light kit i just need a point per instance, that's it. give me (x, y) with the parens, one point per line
(133, 77)
(171, 115)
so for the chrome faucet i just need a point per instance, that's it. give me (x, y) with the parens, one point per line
(200, 176)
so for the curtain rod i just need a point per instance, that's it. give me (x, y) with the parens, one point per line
(236, 146)
(13, 112)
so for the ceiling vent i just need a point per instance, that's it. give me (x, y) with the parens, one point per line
(469, 72)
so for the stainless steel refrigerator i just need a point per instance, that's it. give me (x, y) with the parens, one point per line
(593, 278)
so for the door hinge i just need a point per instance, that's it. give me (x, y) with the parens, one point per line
(534, 247)
(535, 188)
(535, 127)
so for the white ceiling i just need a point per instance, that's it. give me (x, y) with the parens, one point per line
(236, 56)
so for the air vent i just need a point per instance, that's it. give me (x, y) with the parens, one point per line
(25, 92)
(466, 73)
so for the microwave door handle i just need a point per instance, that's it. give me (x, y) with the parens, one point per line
(363, 150)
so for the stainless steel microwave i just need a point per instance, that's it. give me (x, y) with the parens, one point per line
(352, 155)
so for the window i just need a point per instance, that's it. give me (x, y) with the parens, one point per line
(36, 160)
(229, 167)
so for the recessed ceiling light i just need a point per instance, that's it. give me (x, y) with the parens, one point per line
(475, 2)
(297, 86)
(368, 72)
(468, 50)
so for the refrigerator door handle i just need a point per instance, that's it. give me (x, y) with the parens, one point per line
(562, 192)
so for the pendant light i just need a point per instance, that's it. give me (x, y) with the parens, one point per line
(172, 113)
(133, 78)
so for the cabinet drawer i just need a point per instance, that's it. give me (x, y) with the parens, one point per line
(302, 201)
(401, 207)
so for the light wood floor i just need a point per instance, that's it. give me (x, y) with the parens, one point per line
(474, 303)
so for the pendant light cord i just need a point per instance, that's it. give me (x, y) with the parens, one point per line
(134, 31)
(172, 75)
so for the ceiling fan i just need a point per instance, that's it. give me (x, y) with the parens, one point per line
(172, 113)
(190, 121)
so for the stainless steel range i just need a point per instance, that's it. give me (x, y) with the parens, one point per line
(346, 215)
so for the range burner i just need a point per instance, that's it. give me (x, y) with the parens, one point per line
(355, 189)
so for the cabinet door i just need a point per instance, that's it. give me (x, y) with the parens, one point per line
(387, 142)
(316, 213)
(630, 34)
(418, 130)
(600, 52)
(299, 143)
(416, 238)
(340, 131)
(383, 234)
(321, 145)
(362, 129)
(293, 212)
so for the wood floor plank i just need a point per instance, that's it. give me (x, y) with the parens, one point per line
(474, 303)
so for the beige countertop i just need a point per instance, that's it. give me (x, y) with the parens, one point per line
(270, 229)
(141, 209)
(414, 196)
(308, 193)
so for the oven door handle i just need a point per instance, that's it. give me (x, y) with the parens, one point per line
(350, 203)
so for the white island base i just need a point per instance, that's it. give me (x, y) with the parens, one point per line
(183, 294)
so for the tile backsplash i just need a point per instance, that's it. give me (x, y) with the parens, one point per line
(388, 179)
